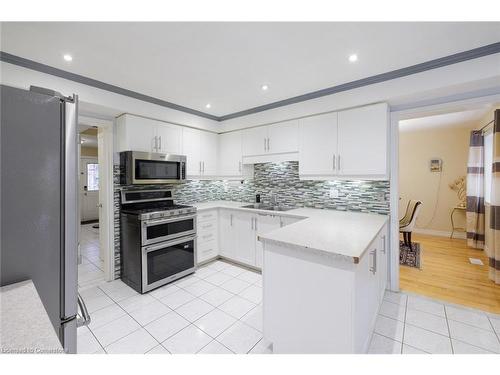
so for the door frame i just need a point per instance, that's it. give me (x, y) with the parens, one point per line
(106, 192)
(415, 110)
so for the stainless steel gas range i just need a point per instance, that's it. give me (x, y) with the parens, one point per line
(158, 239)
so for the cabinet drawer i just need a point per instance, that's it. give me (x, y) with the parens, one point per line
(205, 236)
(206, 216)
(207, 226)
(207, 250)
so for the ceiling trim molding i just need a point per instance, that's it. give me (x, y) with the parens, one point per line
(33, 65)
(475, 53)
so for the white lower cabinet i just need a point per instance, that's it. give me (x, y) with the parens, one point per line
(208, 236)
(238, 232)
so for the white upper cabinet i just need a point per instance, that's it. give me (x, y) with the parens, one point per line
(200, 148)
(191, 148)
(230, 154)
(362, 141)
(208, 153)
(255, 141)
(136, 133)
(346, 144)
(282, 138)
(318, 145)
(169, 138)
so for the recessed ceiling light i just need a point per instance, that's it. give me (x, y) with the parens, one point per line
(264, 87)
(353, 57)
(68, 57)
(208, 105)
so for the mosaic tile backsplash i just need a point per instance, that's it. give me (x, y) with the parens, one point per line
(281, 179)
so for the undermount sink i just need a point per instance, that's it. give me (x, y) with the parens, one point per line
(260, 206)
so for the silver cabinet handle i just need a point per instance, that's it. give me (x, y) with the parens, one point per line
(338, 164)
(240, 167)
(156, 143)
(160, 142)
(334, 157)
(255, 224)
(251, 223)
(200, 166)
(84, 320)
(268, 144)
(265, 147)
(383, 244)
(373, 268)
(203, 167)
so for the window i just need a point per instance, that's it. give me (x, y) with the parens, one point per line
(488, 161)
(92, 176)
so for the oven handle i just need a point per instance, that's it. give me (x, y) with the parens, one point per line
(161, 245)
(149, 223)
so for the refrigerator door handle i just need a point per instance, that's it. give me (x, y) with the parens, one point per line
(84, 320)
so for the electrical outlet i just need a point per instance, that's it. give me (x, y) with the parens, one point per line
(334, 193)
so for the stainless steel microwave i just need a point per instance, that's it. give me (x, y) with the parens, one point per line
(151, 168)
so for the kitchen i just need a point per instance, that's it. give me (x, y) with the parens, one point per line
(266, 231)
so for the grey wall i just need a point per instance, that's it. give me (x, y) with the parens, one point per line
(281, 179)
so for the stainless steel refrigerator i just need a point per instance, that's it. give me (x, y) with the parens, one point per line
(39, 200)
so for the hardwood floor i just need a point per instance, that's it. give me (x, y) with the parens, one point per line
(447, 274)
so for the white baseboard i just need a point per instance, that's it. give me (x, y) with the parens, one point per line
(440, 233)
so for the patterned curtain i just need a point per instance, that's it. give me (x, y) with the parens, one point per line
(475, 191)
(493, 248)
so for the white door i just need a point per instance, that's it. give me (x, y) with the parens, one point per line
(208, 143)
(169, 138)
(89, 188)
(318, 145)
(264, 224)
(227, 234)
(230, 154)
(245, 251)
(191, 148)
(362, 134)
(254, 141)
(283, 137)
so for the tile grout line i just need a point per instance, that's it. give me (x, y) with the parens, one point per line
(493, 327)
(449, 331)
(404, 326)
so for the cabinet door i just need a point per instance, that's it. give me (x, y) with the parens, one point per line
(136, 134)
(382, 263)
(362, 134)
(254, 141)
(283, 137)
(318, 145)
(227, 234)
(169, 138)
(245, 249)
(191, 148)
(230, 154)
(264, 224)
(208, 157)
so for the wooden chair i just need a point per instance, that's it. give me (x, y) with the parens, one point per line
(407, 223)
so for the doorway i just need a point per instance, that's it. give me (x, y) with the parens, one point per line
(96, 243)
(429, 164)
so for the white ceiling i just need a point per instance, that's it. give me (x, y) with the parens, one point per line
(225, 64)
(464, 119)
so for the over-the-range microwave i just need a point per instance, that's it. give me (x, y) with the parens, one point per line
(151, 168)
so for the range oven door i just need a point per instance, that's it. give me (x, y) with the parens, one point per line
(152, 168)
(167, 261)
(159, 230)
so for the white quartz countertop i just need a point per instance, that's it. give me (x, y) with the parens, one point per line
(25, 326)
(327, 231)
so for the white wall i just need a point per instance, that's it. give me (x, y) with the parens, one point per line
(477, 74)
(94, 98)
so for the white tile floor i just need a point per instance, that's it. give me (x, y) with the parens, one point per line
(90, 272)
(411, 324)
(218, 310)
